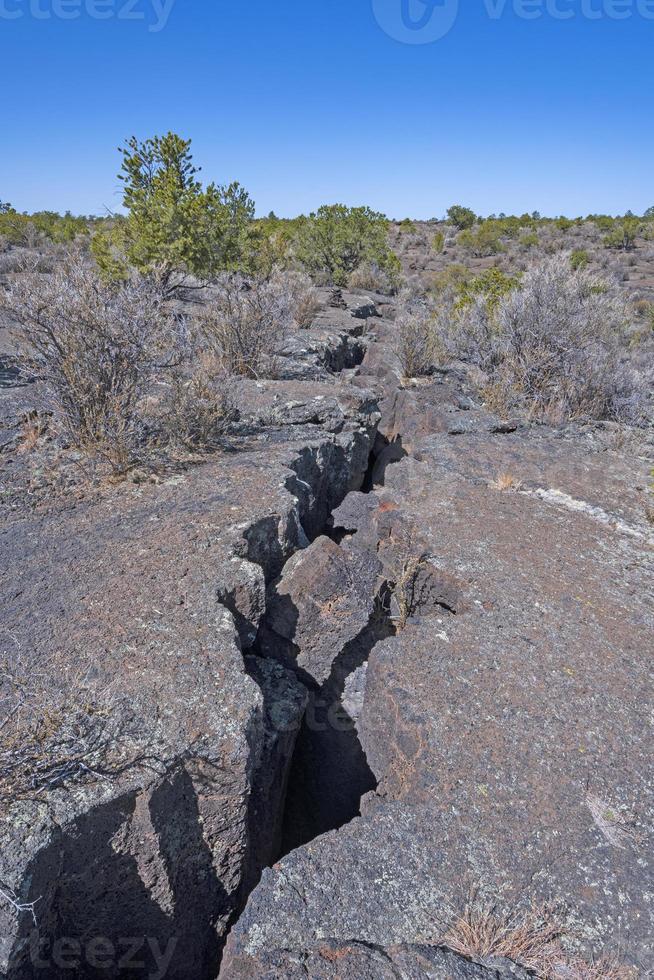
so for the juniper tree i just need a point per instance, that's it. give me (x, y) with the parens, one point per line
(174, 228)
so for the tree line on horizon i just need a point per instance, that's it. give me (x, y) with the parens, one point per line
(178, 229)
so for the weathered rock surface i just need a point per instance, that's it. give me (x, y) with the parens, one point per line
(336, 339)
(322, 601)
(508, 725)
(330, 960)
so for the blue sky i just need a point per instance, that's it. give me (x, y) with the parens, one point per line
(311, 101)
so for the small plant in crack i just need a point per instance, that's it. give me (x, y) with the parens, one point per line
(405, 588)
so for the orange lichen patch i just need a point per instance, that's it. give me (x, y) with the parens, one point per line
(387, 505)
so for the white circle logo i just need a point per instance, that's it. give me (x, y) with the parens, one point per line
(416, 21)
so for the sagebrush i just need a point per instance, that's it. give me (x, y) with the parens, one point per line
(554, 345)
(96, 349)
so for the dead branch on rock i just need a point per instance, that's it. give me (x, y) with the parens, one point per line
(8, 896)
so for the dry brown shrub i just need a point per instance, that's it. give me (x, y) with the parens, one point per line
(96, 349)
(60, 724)
(304, 297)
(370, 277)
(201, 407)
(247, 323)
(416, 341)
(556, 347)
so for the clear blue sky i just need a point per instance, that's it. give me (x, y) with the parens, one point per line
(310, 101)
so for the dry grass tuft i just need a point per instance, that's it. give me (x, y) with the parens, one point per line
(35, 426)
(506, 481)
(606, 968)
(531, 939)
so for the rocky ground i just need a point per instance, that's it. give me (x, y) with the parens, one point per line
(387, 652)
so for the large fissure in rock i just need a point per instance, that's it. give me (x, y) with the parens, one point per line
(326, 609)
(305, 629)
(384, 453)
(313, 771)
(330, 772)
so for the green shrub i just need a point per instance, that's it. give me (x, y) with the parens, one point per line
(509, 227)
(174, 228)
(530, 240)
(623, 235)
(482, 241)
(461, 217)
(27, 229)
(451, 278)
(408, 226)
(336, 240)
(604, 222)
(438, 242)
(579, 259)
(492, 284)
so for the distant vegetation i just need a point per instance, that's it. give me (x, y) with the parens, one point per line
(531, 303)
(29, 229)
(180, 231)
